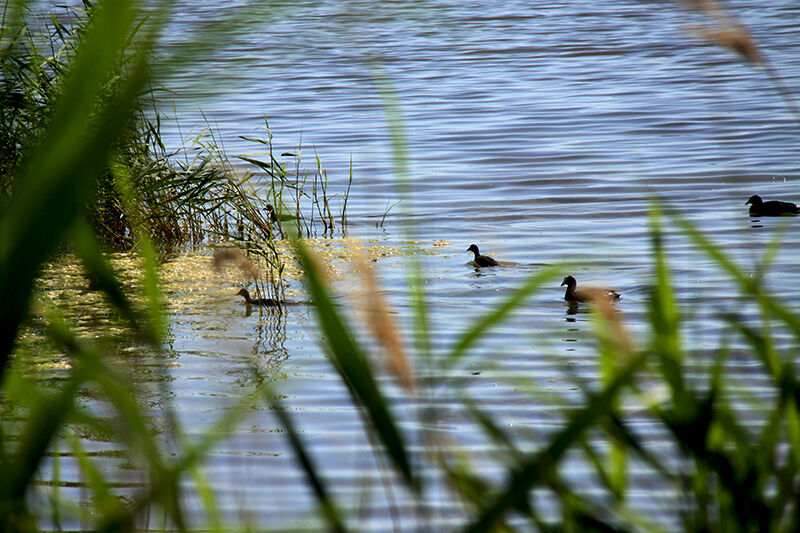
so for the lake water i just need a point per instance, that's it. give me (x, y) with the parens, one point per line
(541, 133)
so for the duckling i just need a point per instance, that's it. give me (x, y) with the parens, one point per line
(275, 217)
(481, 260)
(773, 208)
(267, 302)
(587, 294)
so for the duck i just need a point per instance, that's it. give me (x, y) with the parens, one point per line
(772, 208)
(266, 302)
(481, 260)
(587, 294)
(275, 217)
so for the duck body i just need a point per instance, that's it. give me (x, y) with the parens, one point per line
(481, 260)
(772, 208)
(587, 294)
(266, 302)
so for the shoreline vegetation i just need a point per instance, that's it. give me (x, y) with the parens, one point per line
(83, 169)
(191, 196)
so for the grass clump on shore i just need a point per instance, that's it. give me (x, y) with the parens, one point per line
(189, 196)
(181, 196)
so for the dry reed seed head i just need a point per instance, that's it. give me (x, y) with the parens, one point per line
(233, 256)
(378, 318)
(612, 318)
(708, 7)
(726, 30)
(735, 38)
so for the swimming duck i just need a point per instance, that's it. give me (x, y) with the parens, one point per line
(481, 260)
(275, 217)
(773, 208)
(266, 302)
(587, 294)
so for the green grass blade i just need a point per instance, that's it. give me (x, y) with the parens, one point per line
(154, 323)
(537, 468)
(316, 481)
(761, 346)
(479, 327)
(397, 134)
(205, 493)
(352, 363)
(56, 181)
(664, 315)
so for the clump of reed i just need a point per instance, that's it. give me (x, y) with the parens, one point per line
(181, 195)
(298, 196)
(37, 58)
(189, 196)
(267, 204)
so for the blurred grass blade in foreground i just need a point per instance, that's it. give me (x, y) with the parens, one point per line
(58, 176)
(352, 363)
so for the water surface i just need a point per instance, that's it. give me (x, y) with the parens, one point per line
(541, 133)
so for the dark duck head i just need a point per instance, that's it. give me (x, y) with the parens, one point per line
(570, 282)
(588, 294)
(772, 208)
(754, 200)
(481, 260)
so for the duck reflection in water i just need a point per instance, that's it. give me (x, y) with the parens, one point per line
(572, 309)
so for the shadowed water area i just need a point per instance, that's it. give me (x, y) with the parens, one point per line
(541, 133)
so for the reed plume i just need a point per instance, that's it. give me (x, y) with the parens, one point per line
(378, 318)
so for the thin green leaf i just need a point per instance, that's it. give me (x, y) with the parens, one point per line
(480, 326)
(402, 181)
(316, 481)
(664, 315)
(155, 323)
(748, 284)
(538, 467)
(352, 363)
